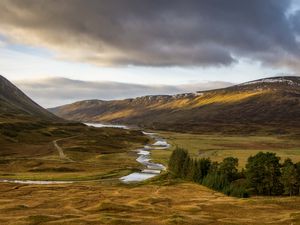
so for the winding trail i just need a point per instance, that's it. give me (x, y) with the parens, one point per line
(151, 169)
(60, 149)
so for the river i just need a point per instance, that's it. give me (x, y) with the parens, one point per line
(150, 170)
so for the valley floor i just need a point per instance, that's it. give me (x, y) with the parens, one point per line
(217, 146)
(105, 203)
(97, 196)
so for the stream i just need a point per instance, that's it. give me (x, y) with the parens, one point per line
(150, 170)
(143, 156)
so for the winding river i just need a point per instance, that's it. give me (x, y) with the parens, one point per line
(150, 170)
(144, 156)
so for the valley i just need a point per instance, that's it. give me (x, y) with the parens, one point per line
(56, 171)
(123, 112)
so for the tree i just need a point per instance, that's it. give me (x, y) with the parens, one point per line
(228, 168)
(204, 167)
(297, 166)
(186, 166)
(177, 160)
(263, 174)
(289, 177)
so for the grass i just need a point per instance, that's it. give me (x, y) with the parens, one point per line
(101, 203)
(100, 156)
(94, 154)
(217, 147)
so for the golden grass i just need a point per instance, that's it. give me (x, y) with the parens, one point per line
(116, 115)
(98, 198)
(217, 147)
(106, 203)
(95, 154)
(205, 99)
(225, 98)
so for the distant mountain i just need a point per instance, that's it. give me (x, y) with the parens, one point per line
(272, 104)
(16, 106)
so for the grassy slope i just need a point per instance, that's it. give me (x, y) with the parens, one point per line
(14, 104)
(104, 203)
(29, 153)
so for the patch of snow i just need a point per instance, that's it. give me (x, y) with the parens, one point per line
(271, 80)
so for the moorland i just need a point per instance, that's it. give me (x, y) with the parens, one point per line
(94, 159)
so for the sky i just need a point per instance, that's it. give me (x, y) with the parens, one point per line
(63, 51)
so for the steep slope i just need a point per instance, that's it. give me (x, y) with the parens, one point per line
(271, 102)
(15, 105)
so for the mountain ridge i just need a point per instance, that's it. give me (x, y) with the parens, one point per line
(17, 105)
(273, 101)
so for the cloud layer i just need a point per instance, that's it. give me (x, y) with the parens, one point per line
(57, 91)
(157, 33)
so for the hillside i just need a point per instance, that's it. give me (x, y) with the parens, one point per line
(15, 105)
(35, 144)
(271, 102)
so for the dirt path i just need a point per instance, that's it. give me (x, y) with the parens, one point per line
(60, 149)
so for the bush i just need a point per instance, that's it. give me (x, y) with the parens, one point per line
(237, 188)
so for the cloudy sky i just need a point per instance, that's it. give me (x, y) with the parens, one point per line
(68, 50)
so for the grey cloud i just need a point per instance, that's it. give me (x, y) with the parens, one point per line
(57, 91)
(155, 33)
(295, 19)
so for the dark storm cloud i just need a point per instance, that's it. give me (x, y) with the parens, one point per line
(57, 91)
(155, 33)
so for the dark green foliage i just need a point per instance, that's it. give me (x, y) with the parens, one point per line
(297, 166)
(177, 161)
(186, 167)
(263, 174)
(213, 175)
(216, 181)
(229, 168)
(237, 188)
(221, 177)
(289, 178)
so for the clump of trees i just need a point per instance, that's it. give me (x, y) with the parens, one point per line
(263, 174)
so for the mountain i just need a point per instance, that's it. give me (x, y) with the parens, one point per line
(16, 106)
(271, 104)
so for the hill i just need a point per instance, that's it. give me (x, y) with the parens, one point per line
(271, 102)
(37, 145)
(15, 105)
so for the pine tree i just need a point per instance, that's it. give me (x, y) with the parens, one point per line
(289, 177)
(263, 174)
(176, 162)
